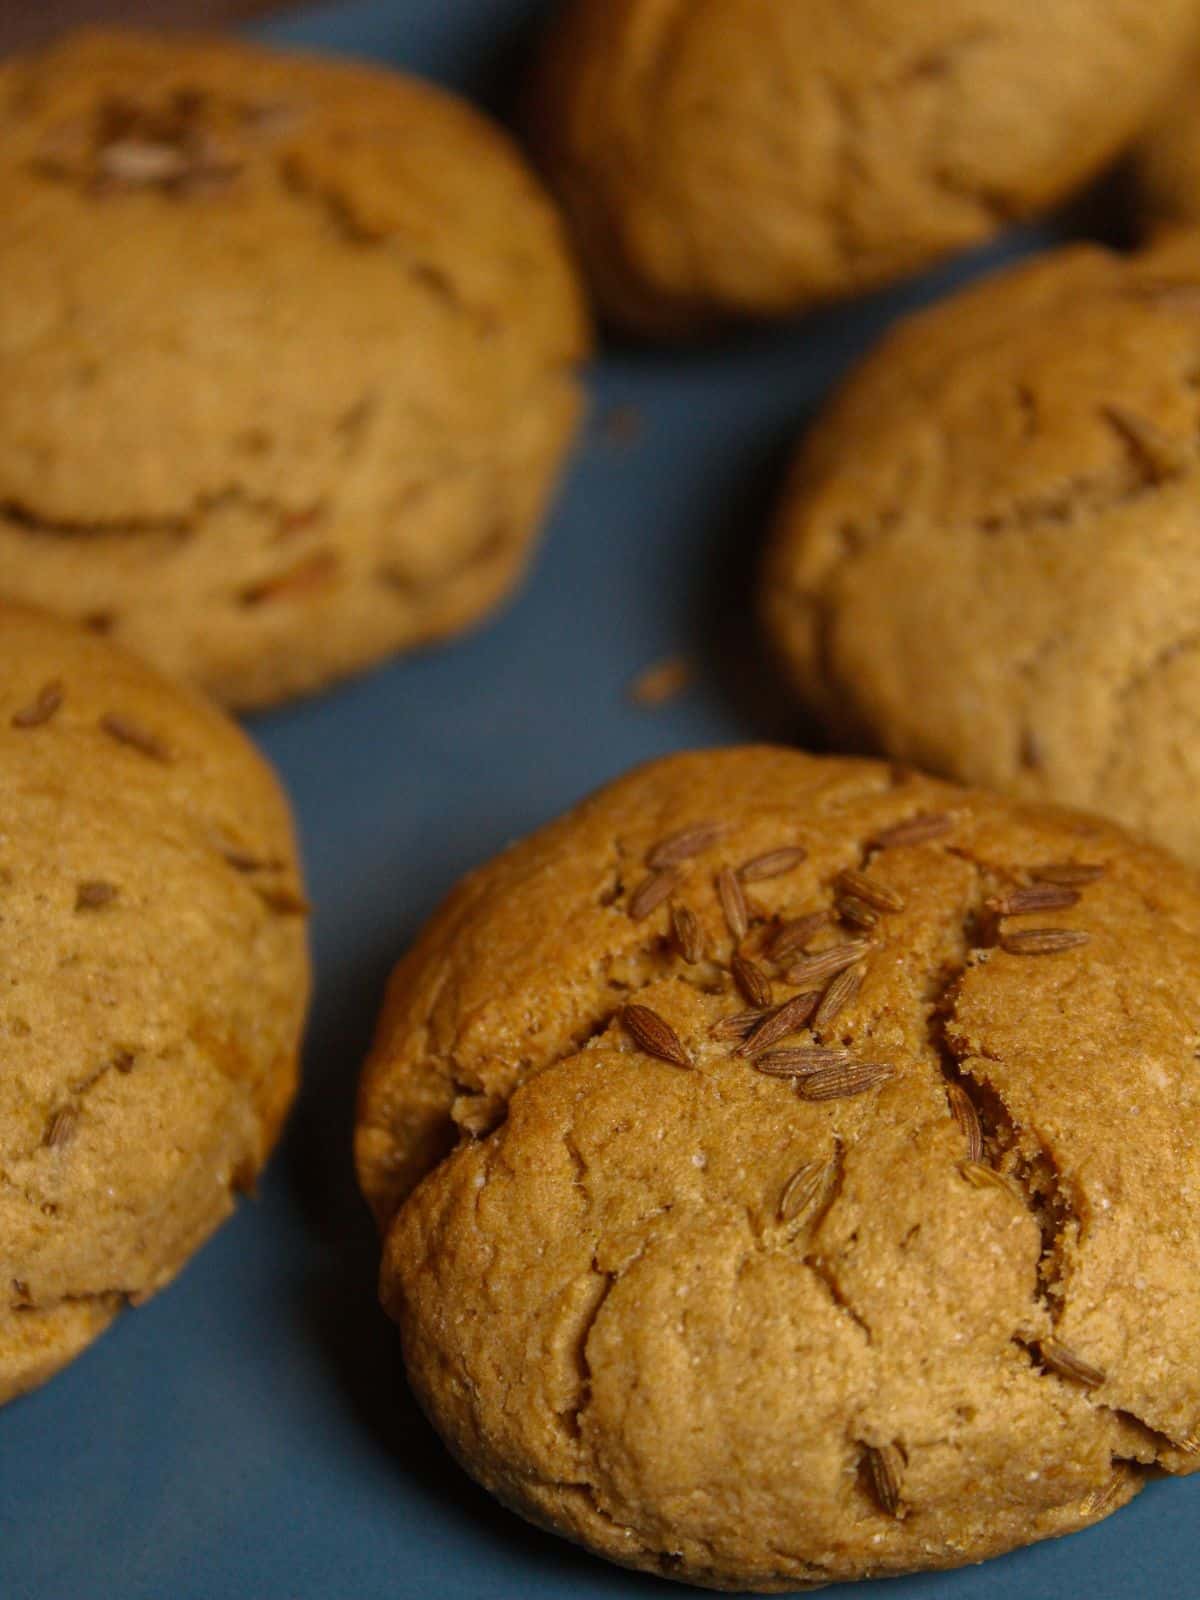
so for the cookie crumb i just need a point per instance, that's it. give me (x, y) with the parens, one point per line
(661, 682)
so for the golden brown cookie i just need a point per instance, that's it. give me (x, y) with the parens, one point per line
(288, 357)
(1166, 162)
(811, 1174)
(155, 983)
(742, 157)
(986, 562)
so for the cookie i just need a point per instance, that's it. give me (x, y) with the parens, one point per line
(788, 1170)
(1166, 163)
(288, 357)
(155, 983)
(986, 562)
(745, 158)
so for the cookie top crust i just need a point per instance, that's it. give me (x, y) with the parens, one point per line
(724, 158)
(806, 1220)
(289, 356)
(156, 979)
(984, 562)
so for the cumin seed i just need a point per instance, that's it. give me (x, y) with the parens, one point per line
(980, 1176)
(917, 830)
(1073, 874)
(682, 846)
(1099, 1502)
(841, 991)
(1043, 941)
(800, 1062)
(815, 969)
(651, 893)
(1060, 1358)
(654, 1035)
(861, 887)
(93, 893)
(843, 1081)
(42, 707)
(772, 863)
(802, 1190)
(790, 1017)
(1033, 897)
(885, 1469)
(128, 732)
(685, 934)
(962, 1109)
(856, 912)
(733, 903)
(752, 981)
(738, 1026)
(795, 935)
(60, 1129)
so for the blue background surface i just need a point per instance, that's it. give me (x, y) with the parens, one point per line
(249, 1433)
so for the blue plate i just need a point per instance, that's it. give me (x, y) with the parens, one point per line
(249, 1433)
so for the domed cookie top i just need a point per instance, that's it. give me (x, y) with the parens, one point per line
(900, 1275)
(987, 560)
(287, 356)
(155, 982)
(742, 157)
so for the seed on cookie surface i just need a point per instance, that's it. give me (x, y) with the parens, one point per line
(802, 1189)
(42, 707)
(685, 934)
(1043, 941)
(917, 830)
(980, 1176)
(844, 1080)
(284, 902)
(800, 1061)
(841, 991)
(1060, 1358)
(815, 969)
(651, 893)
(787, 1018)
(858, 913)
(796, 934)
(93, 893)
(885, 1470)
(1098, 1502)
(733, 902)
(61, 1127)
(654, 1035)
(740, 1025)
(1033, 897)
(1074, 874)
(772, 863)
(751, 980)
(128, 732)
(962, 1109)
(870, 890)
(682, 846)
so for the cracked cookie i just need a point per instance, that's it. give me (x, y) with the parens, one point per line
(986, 561)
(788, 1170)
(745, 158)
(155, 983)
(288, 357)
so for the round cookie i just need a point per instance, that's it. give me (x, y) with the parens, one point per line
(987, 560)
(288, 357)
(903, 1276)
(155, 983)
(746, 158)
